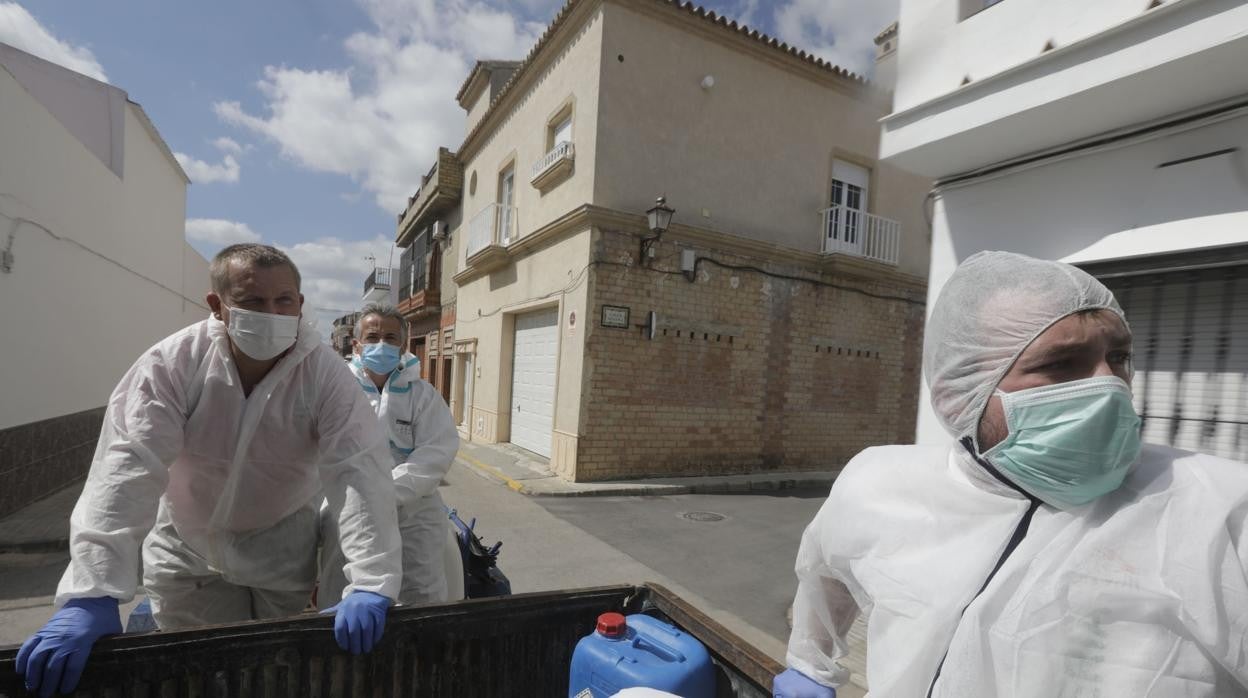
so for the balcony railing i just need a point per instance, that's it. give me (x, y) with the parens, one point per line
(494, 225)
(377, 286)
(559, 158)
(861, 234)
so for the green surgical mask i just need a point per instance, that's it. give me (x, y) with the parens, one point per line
(1069, 443)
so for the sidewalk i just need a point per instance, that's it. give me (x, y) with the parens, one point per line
(527, 473)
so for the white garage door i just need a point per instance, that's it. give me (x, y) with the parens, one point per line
(533, 380)
(1191, 357)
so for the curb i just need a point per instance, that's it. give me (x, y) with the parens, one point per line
(621, 491)
(696, 488)
(492, 471)
(657, 488)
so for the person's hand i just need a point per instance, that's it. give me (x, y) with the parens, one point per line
(794, 684)
(360, 619)
(53, 658)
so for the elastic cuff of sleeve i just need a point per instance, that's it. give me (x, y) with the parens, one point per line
(95, 603)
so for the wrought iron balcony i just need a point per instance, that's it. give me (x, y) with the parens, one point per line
(377, 286)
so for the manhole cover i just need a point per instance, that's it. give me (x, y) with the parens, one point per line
(702, 516)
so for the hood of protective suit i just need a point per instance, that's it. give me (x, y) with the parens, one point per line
(992, 307)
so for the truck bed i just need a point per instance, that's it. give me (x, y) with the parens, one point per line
(511, 646)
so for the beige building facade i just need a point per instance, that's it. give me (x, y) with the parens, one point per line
(775, 324)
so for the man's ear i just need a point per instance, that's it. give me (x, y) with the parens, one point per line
(355, 345)
(214, 302)
(301, 304)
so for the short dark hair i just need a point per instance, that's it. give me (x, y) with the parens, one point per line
(251, 254)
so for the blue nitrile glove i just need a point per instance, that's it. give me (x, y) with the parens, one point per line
(361, 617)
(54, 657)
(794, 684)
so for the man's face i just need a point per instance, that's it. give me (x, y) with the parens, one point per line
(1083, 345)
(270, 290)
(375, 328)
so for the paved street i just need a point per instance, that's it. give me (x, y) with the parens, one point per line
(27, 583)
(561, 543)
(736, 551)
(567, 542)
(738, 569)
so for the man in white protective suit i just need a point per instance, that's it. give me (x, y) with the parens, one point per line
(216, 448)
(423, 442)
(1048, 553)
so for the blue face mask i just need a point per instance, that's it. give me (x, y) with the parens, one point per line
(1069, 443)
(380, 358)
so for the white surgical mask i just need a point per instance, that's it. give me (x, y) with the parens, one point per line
(262, 336)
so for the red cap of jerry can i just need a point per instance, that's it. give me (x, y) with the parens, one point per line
(612, 625)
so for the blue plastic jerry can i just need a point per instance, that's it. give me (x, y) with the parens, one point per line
(640, 651)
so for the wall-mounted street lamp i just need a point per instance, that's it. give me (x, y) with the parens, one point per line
(659, 218)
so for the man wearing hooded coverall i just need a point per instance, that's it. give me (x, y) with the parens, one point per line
(1049, 552)
(219, 441)
(423, 441)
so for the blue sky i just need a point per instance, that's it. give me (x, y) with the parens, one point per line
(307, 123)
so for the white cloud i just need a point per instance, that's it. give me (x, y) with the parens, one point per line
(228, 145)
(745, 12)
(219, 232)
(19, 28)
(202, 172)
(841, 31)
(334, 271)
(381, 120)
(489, 33)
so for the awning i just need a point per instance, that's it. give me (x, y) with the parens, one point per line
(1189, 234)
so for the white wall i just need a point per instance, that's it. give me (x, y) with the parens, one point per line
(1113, 64)
(1057, 210)
(940, 48)
(111, 274)
(885, 76)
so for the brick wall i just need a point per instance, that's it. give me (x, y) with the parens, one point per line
(748, 372)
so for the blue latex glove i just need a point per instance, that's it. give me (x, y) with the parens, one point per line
(794, 684)
(54, 657)
(361, 617)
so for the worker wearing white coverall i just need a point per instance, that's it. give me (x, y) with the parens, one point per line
(1039, 556)
(423, 442)
(223, 437)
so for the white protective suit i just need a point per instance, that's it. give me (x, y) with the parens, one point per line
(236, 480)
(1143, 592)
(423, 444)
